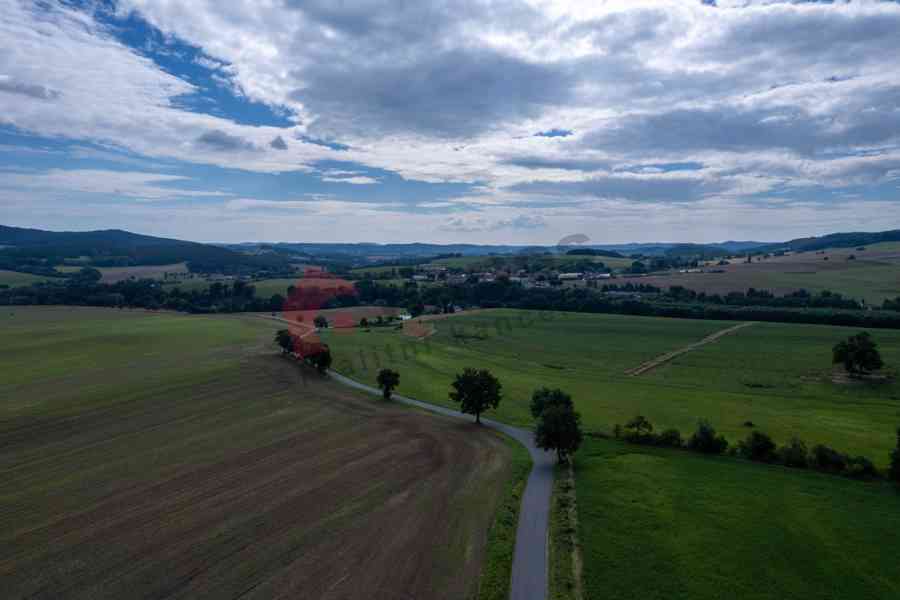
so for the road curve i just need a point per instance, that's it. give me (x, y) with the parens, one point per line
(529, 570)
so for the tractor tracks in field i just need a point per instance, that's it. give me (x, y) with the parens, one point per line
(668, 356)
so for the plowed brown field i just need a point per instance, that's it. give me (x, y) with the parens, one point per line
(246, 476)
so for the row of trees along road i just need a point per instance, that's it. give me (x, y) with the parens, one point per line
(558, 426)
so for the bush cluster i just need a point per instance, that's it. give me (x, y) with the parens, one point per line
(760, 447)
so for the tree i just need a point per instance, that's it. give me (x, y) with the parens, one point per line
(758, 446)
(387, 381)
(544, 398)
(858, 353)
(364, 322)
(559, 428)
(638, 429)
(476, 391)
(321, 360)
(706, 441)
(794, 454)
(284, 339)
(320, 322)
(894, 471)
(276, 302)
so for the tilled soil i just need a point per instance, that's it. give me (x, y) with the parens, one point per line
(268, 482)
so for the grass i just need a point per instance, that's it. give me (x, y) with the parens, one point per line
(873, 276)
(563, 578)
(16, 279)
(778, 376)
(669, 524)
(501, 542)
(158, 454)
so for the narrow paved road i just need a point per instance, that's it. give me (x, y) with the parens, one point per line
(529, 572)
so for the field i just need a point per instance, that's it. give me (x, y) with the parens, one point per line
(777, 376)
(16, 279)
(117, 274)
(265, 288)
(160, 455)
(873, 276)
(670, 524)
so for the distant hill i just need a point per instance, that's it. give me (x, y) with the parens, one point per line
(835, 240)
(704, 251)
(35, 248)
(593, 252)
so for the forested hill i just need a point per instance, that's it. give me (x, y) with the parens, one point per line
(21, 247)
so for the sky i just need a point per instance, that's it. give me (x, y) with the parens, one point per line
(473, 121)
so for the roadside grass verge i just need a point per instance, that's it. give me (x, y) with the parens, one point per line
(501, 541)
(564, 570)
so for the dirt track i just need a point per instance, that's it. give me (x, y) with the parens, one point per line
(259, 485)
(664, 358)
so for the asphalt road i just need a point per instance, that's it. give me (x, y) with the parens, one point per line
(529, 572)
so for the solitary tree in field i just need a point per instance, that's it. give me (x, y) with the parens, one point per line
(283, 338)
(476, 391)
(544, 398)
(320, 322)
(387, 381)
(858, 353)
(559, 428)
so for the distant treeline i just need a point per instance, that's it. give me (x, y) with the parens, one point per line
(801, 307)
(84, 289)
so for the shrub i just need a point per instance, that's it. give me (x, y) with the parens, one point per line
(828, 459)
(617, 431)
(794, 454)
(670, 438)
(706, 441)
(639, 430)
(758, 446)
(860, 467)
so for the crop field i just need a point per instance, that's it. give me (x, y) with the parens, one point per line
(873, 276)
(160, 455)
(16, 279)
(671, 524)
(777, 376)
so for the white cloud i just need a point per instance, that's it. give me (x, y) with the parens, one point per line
(763, 96)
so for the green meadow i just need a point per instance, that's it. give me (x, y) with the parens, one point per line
(663, 524)
(777, 376)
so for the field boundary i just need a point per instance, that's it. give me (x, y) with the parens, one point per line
(668, 356)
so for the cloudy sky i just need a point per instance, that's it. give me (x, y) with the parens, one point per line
(508, 121)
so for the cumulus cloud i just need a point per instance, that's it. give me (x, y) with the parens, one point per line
(32, 90)
(541, 108)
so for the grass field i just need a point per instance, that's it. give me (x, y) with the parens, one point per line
(265, 288)
(777, 376)
(666, 524)
(873, 276)
(16, 279)
(169, 456)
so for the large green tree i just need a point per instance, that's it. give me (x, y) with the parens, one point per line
(543, 398)
(858, 353)
(476, 390)
(559, 428)
(387, 381)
